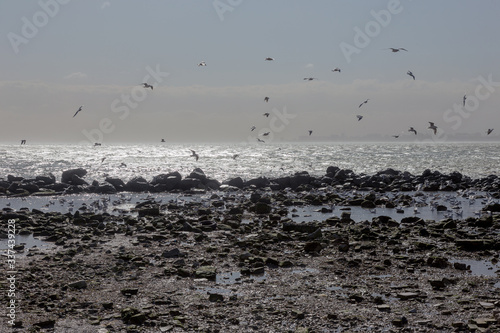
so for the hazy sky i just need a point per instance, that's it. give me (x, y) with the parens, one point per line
(60, 54)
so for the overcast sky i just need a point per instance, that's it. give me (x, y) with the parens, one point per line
(59, 54)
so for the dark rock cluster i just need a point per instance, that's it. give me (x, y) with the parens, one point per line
(73, 181)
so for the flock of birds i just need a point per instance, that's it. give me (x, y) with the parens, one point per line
(432, 125)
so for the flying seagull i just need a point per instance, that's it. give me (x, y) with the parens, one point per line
(80, 109)
(193, 153)
(266, 99)
(269, 59)
(395, 136)
(235, 156)
(397, 50)
(266, 133)
(146, 85)
(412, 130)
(162, 140)
(411, 74)
(310, 78)
(266, 114)
(23, 142)
(360, 105)
(260, 140)
(359, 117)
(432, 127)
(488, 132)
(253, 128)
(202, 63)
(310, 132)
(465, 98)
(336, 70)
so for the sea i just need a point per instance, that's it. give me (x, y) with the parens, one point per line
(248, 160)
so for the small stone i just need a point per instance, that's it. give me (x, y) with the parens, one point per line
(384, 308)
(48, 323)
(313, 247)
(129, 291)
(82, 284)
(138, 319)
(215, 298)
(297, 314)
(207, 272)
(174, 253)
(487, 305)
(400, 322)
(460, 266)
(407, 295)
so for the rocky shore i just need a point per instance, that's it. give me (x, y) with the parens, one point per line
(237, 263)
(73, 181)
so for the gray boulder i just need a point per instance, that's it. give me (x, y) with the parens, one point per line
(69, 175)
(137, 184)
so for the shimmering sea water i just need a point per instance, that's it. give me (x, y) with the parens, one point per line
(223, 161)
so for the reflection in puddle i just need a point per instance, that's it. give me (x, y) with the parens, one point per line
(457, 207)
(479, 267)
(228, 278)
(236, 277)
(27, 240)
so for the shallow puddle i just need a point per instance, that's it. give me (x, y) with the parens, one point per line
(27, 240)
(479, 267)
(458, 208)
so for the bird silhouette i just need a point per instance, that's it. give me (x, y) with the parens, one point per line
(488, 132)
(359, 117)
(464, 99)
(432, 127)
(147, 85)
(269, 59)
(266, 114)
(79, 109)
(266, 99)
(253, 128)
(360, 105)
(193, 153)
(202, 64)
(412, 130)
(411, 74)
(310, 132)
(397, 49)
